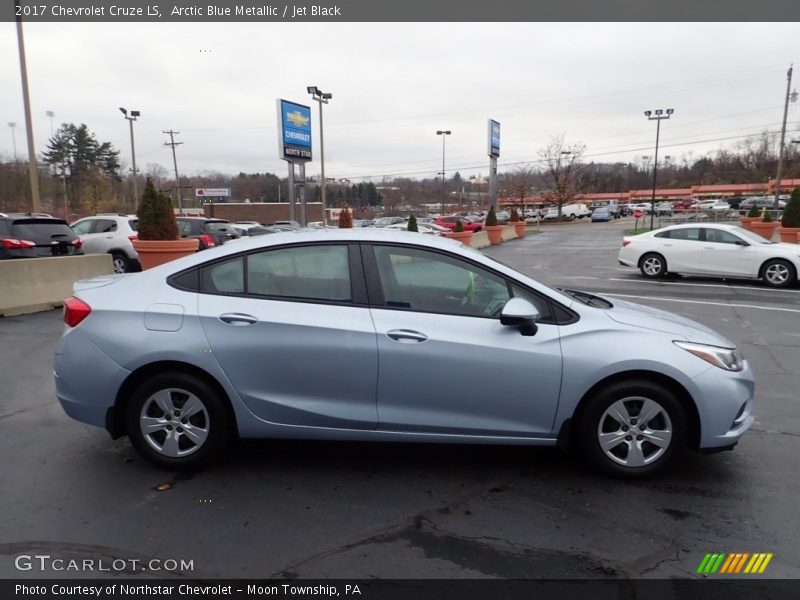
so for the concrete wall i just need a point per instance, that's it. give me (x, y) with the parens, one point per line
(263, 212)
(33, 284)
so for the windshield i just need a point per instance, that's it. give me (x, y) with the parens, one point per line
(751, 237)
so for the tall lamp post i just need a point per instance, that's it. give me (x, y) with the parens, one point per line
(443, 133)
(790, 97)
(657, 117)
(134, 114)
(321, 97)
(51, 115)
(13, 126)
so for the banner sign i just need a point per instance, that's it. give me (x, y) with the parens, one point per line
(294, 131)
(494, 138)
(213, 192)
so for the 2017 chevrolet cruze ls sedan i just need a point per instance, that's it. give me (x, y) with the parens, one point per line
(316, 334)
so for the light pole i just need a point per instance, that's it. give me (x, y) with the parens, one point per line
(793, 98)
(52, 115)
(321, 97)
(443, 133)
(657, 117)
(13, 126)
(131, 119)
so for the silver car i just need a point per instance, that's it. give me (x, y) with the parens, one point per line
(111, 233)
(282, 336)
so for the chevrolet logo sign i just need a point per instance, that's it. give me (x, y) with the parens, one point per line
(297, 119)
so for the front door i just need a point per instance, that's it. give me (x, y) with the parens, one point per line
(446, 364)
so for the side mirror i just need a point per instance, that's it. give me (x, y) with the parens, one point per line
(518, 312)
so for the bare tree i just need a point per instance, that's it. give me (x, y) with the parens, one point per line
(561, 170)
(521, 181)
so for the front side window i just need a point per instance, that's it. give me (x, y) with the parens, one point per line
(304, 272)
(718, 236)
(425, 281)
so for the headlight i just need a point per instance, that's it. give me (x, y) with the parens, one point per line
(729, 359)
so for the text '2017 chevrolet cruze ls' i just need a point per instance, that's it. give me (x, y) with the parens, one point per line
(316, 334)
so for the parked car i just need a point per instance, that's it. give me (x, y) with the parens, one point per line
(250, 229)
(762, 202)
(30, 236)
(110, 233)
(664, 209)
(210, 232)
(713, 250)
(386, 221)
(601, 214)
(288, 223)
(450, 223)
(628, 385)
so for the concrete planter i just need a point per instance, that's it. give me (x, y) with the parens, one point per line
(789, 234)
(495, 233)
(765, 230)
(519, 227)
(153, 253)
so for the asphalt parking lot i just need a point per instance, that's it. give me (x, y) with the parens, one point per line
(293, 509)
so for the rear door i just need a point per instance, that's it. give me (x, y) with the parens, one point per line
(291, 328)
(682, 248)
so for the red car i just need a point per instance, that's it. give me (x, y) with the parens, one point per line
(450, 223)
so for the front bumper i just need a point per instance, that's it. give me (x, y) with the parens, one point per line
(724, 402)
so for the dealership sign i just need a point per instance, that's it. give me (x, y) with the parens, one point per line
(494, 138)
(294, 131)
(212, 192)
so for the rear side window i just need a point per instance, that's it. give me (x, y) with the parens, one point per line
(224, 277)
(691, 234)
(133, 223)
(312, 272)
(105, 226)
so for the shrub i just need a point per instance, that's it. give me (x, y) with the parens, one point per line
(766, 217)
(514, 216)
(459, 228)
(754, 211)
(345, 219)
(156, 217)
(791, 214)
(412, 224)
(491, 218)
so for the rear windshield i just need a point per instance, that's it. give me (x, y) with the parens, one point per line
(42, 230)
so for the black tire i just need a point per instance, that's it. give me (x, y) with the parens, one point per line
(121, 263)
(653, 265)
(637, 394)
(778, 273)
(182, 451)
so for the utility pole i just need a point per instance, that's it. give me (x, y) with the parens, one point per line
(33, 170)
(173, 143)
(793, 98)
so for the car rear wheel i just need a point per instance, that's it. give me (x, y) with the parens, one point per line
(778, 273)
(653, 266)
(177, 421)
(633, 429)
(121, 263)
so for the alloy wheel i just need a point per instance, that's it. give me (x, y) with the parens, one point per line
(174, 422)
(634, 431)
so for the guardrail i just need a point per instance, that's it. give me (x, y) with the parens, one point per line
(36, 284)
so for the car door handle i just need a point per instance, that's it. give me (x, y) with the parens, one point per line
(238, 319)
(708, 247)
(406, 336)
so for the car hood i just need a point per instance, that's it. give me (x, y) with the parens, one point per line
(647, 317)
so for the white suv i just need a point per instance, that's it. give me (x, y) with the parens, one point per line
(110, 233)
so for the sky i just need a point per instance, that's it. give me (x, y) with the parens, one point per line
(395, 84)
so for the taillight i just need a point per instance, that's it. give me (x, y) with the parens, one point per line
(77, 242)
(17, 244)
(75, 311)
(133, 237)
(207, 240)
(625, 242)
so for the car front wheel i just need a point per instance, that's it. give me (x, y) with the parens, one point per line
(778, 273)
(633, 429)
(177, 421)
(653, 266)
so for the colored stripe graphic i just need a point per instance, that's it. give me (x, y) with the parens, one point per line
(722, 563)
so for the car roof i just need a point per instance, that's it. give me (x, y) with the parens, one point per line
(723, 226)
